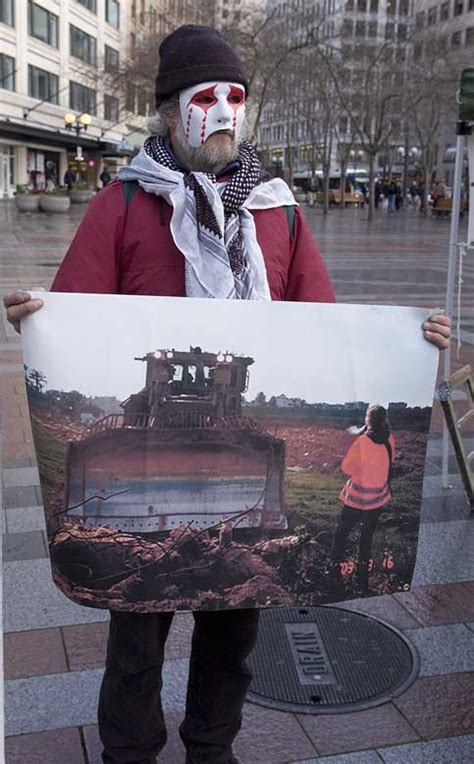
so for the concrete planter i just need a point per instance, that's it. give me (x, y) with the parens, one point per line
(52, 203)
(27, 202)
(80, 195)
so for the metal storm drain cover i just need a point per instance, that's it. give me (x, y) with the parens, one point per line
(318, 660)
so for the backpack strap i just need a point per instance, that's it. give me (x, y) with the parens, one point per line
(129, 188)
(290, 216)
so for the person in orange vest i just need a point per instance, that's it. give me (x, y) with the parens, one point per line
(367, 490)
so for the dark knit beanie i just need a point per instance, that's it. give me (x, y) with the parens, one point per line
(194, 54)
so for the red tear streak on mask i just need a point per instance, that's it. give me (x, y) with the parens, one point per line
(188, 124)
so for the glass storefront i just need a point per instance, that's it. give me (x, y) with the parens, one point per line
(42, 169)
(85, 165)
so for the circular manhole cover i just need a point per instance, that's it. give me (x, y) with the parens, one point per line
(318, 660)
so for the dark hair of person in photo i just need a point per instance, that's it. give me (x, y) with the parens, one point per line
(377, 424)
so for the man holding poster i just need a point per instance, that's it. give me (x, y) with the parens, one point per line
(195, 215)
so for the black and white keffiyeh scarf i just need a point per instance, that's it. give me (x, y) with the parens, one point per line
(211, 223)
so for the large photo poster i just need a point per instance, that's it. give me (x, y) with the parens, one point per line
(206, 454)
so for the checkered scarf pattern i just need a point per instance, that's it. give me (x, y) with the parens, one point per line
(250, 174)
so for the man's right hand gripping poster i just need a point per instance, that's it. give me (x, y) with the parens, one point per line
(206, 454)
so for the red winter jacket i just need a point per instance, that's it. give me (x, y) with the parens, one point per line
(120, 250)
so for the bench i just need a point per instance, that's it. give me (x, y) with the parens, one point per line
(444, 206)
(356, 197)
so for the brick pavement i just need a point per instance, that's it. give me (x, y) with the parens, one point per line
(54, 649)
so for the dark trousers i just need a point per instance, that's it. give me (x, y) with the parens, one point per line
(131, 722)
(350, 517)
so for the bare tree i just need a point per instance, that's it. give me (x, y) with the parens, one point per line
(431, 99)
(373, 99)
(272, 54)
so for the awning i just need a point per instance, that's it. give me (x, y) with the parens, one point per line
(450, 154)
(21, 130)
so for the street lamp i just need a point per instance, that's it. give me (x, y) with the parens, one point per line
(413, 157)
(356, 156)
(77, 123)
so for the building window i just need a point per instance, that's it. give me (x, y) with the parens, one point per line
(82, 45)
(401, 54)
(343, 124)
(7, 13)
(90, 4)
(402, 32)
(81, 98)
(143, 101)
(111, 59)
(470, 36)
(42, 84)
(389, 30)
(7, 72)
(360, 28)
(42, 24)
(456, 39)
(373, 26)
(111, 108)
(112, 13)
(470, 6)
(444, 11)
(391, 7)
(349, 5)
(362, 6)
(404, 7)
(374, 6)
(420, 20)
(347, 27)
(458, 7)
(418, 51)
(130, 94)
(432, 13)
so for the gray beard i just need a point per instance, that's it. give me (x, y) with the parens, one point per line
(205, 158)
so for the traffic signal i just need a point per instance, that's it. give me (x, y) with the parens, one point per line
(466, 96)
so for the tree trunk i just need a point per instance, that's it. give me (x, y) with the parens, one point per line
(371, 187)
(343, 183)
(289, 158)
(405, 168)
(327, 173)
(427, 176)
(326, 189)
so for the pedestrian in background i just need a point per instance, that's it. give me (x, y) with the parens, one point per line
(377, 193)
(69, 178)
(105, 177)
(391, 196)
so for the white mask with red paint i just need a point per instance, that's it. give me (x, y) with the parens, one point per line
(209, 107)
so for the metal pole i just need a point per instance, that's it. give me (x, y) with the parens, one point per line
(462, 131)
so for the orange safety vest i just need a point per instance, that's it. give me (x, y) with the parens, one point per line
(367, 464)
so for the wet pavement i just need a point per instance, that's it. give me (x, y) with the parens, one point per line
(54, 649)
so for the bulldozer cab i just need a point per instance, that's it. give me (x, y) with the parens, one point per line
(210, 382)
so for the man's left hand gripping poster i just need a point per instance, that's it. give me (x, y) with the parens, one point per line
(207, 454)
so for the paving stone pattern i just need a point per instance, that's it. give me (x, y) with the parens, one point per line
(54, 650)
